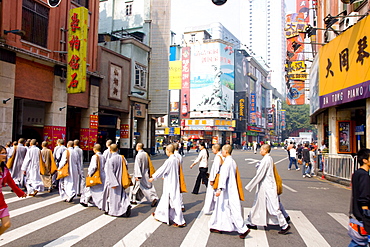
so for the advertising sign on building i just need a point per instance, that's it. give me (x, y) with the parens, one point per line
(252, 109)
(185, 87)
(296, 94)
(283, 121)
(77, 50)
(115, 82)
(175, 75)
(212, 77)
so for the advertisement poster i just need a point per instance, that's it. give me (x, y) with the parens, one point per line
(84, 138)
(94, 121)
(252, 109)
(52, 133)
(185, 87)
(175, 75)
(212, 77)
(344, 137)
(296, 95)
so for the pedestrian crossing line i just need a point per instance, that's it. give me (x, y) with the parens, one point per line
(255, 237)
(83, 231)
(140, 233)
(310, 235)
(341, 219)
(199, 232)
(277, 162)
(38, 224)
(7, 192)
(15, 199)
(287, 187)
(34, 206)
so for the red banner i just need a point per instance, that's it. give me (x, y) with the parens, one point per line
(94, 121)
(303, 6)
(88, 138)
(125, 129)
(52, 134)
(185, 87)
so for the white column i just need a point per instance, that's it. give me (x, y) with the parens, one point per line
(7, 78)
(333, 138)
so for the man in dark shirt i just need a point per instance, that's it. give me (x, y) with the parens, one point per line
(361, 192)
(306, 169)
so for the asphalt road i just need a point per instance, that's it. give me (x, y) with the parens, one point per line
(318, 210)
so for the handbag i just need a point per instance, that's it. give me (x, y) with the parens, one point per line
(126, 178)
(64, 171)
(278, 180)
(95, 178)
(217, 178)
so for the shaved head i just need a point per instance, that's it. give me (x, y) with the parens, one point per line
(70, 144)
(170, 148)
(114, 148)
(227, 148)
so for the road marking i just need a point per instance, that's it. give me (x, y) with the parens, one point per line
(15, 199)
(287, 187)
(7, 192)
(308, 232)
(255, 237)
(34, 206)
(38, 224)
(252, 161)
(341, 218)
(277, 162)
(140, 233)
(199, 232)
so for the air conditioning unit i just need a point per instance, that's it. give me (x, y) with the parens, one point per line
(329, 35)
(350, 20)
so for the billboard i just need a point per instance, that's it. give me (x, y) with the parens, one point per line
(212, 77)
(296, 94)
(175, 74)
(241, 71)
(185, 84)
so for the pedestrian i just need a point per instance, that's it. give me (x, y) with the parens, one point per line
(188, 147)
(58, 152)
(306, 169)
(360, 201)
(321, 151)
(14, 164)
(107, 153)
(143, 170)
(182, 179)
(157, 145)
(47, 166)
(68, 185)
(227, 215)
(266, 207)
(209, 202)
(299, 154)
(254, 147)
(80, 166)
(93, 196)
(292, 158)
(313, 161)
(181, 148)
(169, 207)
(5, 178)
(290, 146)
(203, 168)
(31, 169)
(115, 200)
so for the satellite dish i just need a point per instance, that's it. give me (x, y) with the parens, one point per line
(219, 2)
(54, 3)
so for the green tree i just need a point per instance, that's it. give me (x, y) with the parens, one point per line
(297, 117)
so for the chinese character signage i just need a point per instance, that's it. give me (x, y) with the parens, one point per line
(94, 121)
(252, 109)
(52, 134)
(124, 131)
(185, 87)
(295, 24)
(175, 75)
(283, 121)
(344, 74)
(77, 50)
(115, 82)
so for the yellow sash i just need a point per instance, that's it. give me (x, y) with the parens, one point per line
(42, 165)
(95, 178)
(239, 184)
(64, 171)
(182, 180)
(151, 167)
(53, 167)
(10, 162)
(126, 178)
(278, 180)
(217, 178)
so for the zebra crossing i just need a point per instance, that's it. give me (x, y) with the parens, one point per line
(197, 232)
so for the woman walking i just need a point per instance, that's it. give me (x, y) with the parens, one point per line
(203, 167)
(5, 178)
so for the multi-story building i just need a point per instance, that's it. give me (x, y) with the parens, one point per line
(340, 76)
(44, 52)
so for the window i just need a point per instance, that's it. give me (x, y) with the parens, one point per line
(140, 76)
(192, 39)
(128, 9)
(35, 22)
(84, 3)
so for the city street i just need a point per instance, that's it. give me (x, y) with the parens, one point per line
(317, 210)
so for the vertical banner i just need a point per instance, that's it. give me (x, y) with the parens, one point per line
(52, 134)
(303, 6)
(77, 50)
(296, 94)
(283, 121)
(125, 136)
(48, 136)
(252, 109)
(94, 121)
(84, 138)
(185, 87)
(175, 75)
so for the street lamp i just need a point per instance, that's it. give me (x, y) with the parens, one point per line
(15, 31)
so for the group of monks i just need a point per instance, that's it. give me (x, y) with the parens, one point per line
(108, 178)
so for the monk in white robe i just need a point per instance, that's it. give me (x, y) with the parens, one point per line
(265, 208)
(115, 199)
(107, 153)
(169, 206)
(141, 173)
(68, 185)
(179, 157)
(58, 152)
(31, 169)
(93, 196)
(15, 162)
(227, 215)
(82, 180)
(209, 202)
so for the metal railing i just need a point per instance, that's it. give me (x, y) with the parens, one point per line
(339, 165)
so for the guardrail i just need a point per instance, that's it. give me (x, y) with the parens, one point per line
(339, 165)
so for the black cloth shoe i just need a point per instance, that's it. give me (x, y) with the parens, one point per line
(154, 203)
(214, 231)
(195, 193)
(252, 227)
(284, 231)
(128, 212)
(242, 236)
(84, 204)
(287, 219)
(71, 199)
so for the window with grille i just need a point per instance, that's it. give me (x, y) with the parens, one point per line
(140, 76)
(128, 9)
(35, 22)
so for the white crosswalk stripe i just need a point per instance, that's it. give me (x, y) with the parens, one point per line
(308, 232)
(255, 237)
(341, 219)
(35, 206)
(199, 232)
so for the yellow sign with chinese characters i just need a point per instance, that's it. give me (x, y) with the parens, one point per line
(296, 67)
(77, 50)
(175, 75)
(345, 61)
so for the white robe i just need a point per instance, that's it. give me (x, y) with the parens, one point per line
(16, 170)
(82, 180)
(169, 206)
(265, 208)
(93, 196)
(31, 165)
(227, 215)
(107, 154)
(115, 201)
(68, 185)
(209, 202)
(179, 157)
(141, 170)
